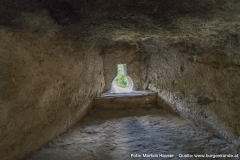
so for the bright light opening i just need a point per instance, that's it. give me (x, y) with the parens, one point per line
(122, 83)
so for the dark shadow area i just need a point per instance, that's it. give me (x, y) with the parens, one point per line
(68, 12)
(9, 18)
(63, 12)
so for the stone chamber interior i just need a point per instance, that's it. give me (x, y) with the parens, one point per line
(56, 56)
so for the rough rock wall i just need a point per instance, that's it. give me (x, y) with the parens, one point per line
(200, 81)
(194, 65)
(47, 83)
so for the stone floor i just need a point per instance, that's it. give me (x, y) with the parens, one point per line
(122, 134)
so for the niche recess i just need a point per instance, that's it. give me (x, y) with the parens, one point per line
(121, 53)
(122, 83)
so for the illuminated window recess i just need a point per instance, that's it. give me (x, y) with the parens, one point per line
(122, 83)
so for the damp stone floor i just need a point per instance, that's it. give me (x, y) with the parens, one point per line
(135, 133)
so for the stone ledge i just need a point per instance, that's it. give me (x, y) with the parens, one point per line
(126, 100)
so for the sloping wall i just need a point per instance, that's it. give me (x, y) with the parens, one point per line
(201, 83)
(47, 83)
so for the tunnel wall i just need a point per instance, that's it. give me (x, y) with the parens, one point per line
(197, 78)
(47, 83)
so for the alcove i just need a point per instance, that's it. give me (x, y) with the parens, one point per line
(122, 83)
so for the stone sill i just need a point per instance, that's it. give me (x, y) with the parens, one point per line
(126, 100)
